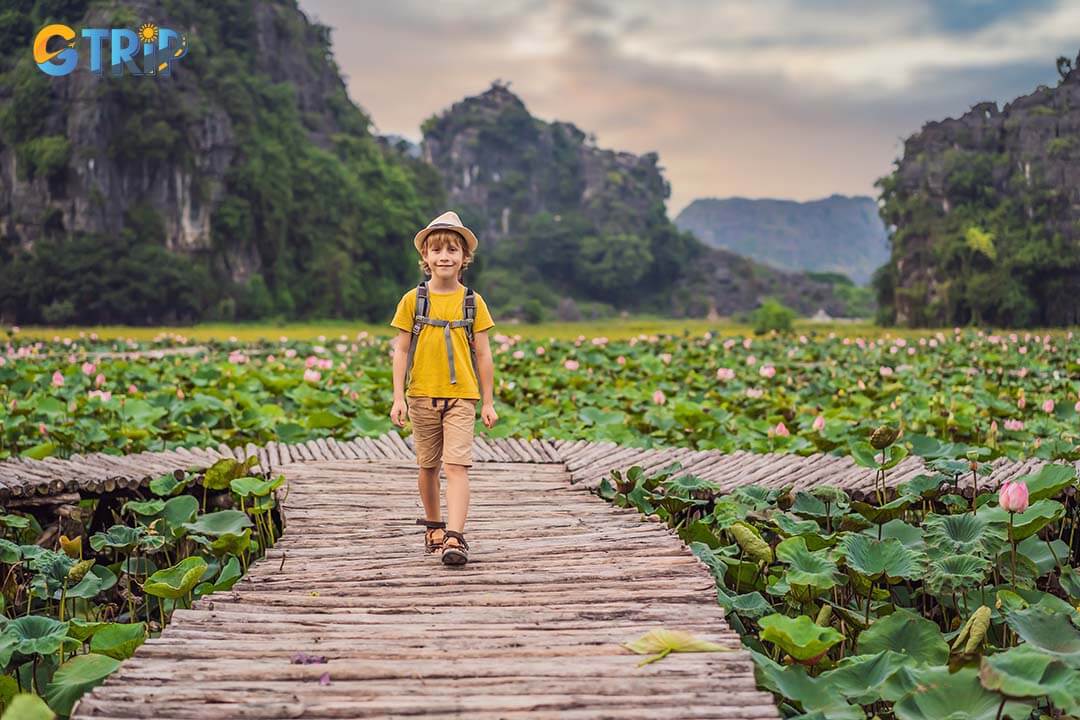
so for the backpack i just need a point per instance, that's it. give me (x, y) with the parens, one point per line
(423, 306)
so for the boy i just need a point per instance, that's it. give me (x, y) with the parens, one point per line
(443, 387)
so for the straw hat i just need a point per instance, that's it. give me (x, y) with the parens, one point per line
(447, 221)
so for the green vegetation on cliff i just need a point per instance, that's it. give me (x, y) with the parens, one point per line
(986, 211)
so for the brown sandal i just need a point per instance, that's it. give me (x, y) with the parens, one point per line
(455, 554)
(430, 543)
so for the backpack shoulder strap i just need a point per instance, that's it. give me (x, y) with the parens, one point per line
(423, 302)
(469, 311)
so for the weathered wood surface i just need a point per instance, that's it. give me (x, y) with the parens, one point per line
(587, 463)
(532, 626)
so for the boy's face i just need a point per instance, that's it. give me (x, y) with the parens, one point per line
(444, 259)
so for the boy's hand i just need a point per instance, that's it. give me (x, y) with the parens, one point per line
(399, 413)
(488, 415)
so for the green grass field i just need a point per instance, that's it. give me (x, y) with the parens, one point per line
(619, 329)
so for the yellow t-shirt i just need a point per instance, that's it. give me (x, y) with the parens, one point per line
(431, 369)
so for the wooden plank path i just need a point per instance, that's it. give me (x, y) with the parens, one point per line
(531, 627)
(22, 480)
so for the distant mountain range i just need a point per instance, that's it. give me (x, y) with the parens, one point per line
(835, 234)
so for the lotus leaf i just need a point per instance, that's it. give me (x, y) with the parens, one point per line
(75, 677)
(118, 640)
(881, 514)
(248, 486)
(1025, 524)
(26, 706)
(880, 558)
(1050, 480)
(664, 641)
(799, 637)
(813, 694)
(9, 552)
(118, 537)
(955, 696)
(82, 630)
(906, 633)
(909, 535)
(860, 677)
(1049, 631)
(176, 581)
(36, 634)
(220, 523)
(1026, 671)
(964, 533)
(956, 573)
(169, 484)
(814, 569)
(146, 509)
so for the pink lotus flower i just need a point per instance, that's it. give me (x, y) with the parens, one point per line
(1048, 406)
(326, 364)
(621, 360)
(993, 426)
(99, 380)
(819, 423)
(88, 368)
(57, 379)
(518, 354)
(666, 358)
(311, 375)
(750, 359)
(1021, 402)
(270, 358)
(540, 350)
(754, 392)
(885, 371)
(658, 397)
(1014, 425)
(132, 389)
(1076, 407)
(42, 429)
(290, 353)
(781, 429)
(571, 365)
(1013, 496)
(767, 371)
(103, 395)
(725, 374)
(179, 393)
(310, 361)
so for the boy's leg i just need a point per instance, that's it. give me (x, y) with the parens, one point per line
(458, 424)
(427, 442)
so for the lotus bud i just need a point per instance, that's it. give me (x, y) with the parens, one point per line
(883, 437)
(78, 570)
(1013, 496)
(824, 615)
(974, 631)
(751, 543)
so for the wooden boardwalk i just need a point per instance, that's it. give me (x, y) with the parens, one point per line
(531, 627)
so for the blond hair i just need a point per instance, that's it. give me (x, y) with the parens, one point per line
(436, 239)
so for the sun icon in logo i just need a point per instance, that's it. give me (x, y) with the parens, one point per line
(148, 33)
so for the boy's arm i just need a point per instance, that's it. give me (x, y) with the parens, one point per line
(485, 367)
(401, 358)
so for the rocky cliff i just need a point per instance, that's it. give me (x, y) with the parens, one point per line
(835, 234)
(565, 218)
(249, 168)
(986, 210)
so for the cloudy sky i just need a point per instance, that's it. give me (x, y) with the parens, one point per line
(764, 98)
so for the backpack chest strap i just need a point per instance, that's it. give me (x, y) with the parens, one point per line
(446, 325)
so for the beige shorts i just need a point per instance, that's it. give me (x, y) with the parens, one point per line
(442, 430)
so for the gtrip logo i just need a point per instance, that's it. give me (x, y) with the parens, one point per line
(156, 48)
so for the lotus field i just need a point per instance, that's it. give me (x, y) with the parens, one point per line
(1015, 395)
(929, 601)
